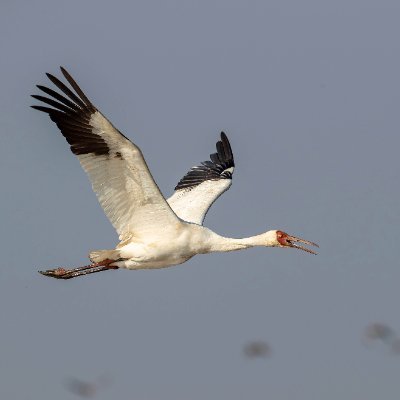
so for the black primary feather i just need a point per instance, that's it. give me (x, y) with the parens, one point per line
(72, 114)
(217, 168)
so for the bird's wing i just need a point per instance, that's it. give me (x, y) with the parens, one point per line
(115, 166)
(203, 184)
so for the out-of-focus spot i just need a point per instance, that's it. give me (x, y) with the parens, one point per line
(378, 331)
(384, 333)
(87, 389)
(81, 388)
(257, 349)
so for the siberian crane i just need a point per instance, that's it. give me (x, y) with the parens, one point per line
(154, 232)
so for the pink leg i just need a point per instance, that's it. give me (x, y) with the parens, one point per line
(62, 273)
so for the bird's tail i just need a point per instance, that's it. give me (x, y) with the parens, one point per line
(97, 256)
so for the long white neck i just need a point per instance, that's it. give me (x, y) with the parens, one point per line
(218, 243)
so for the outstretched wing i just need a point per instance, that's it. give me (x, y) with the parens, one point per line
(203, 184)
(115, 166)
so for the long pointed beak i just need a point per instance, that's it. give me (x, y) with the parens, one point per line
(292, 241)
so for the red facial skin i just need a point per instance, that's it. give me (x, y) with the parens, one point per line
(282, 238)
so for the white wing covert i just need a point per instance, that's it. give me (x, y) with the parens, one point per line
(116, 168)
(203, 184)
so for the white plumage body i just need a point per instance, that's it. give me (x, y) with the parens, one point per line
(173, 246)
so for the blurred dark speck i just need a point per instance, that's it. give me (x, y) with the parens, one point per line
(257, 349)
(378, 331)
(81, 388)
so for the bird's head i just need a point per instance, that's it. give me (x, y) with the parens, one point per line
(282, 239)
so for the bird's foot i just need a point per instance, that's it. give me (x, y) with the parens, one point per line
(56, 273)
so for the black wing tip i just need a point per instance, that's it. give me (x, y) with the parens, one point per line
(47, 110)
(66, 74)
(62, 69)
(77, 101)
(76, 95)
(224, 154)
(210, 170)
(71, 112)
(76, 87)
(37, 96)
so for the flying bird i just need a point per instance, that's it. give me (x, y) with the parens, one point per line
(154, 232)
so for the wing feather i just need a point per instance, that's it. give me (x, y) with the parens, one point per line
(116, 167)
(203, 184)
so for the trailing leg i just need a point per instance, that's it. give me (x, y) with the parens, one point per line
(62, 273)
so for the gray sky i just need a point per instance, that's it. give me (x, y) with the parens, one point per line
(309, 94)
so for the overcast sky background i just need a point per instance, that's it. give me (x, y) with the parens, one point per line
(309, 95)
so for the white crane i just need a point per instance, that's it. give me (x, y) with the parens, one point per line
(153, 232)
